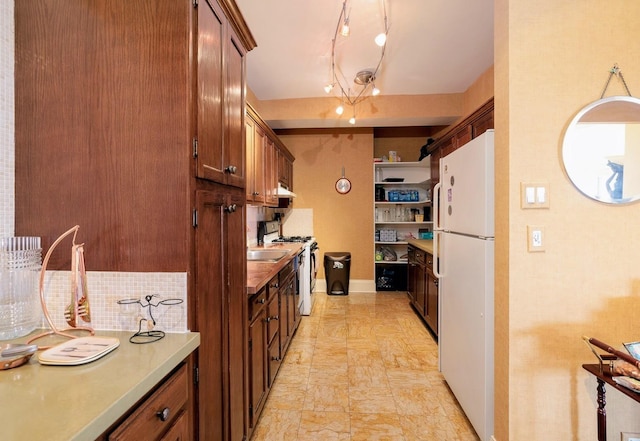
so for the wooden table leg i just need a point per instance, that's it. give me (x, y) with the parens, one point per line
(602, 413)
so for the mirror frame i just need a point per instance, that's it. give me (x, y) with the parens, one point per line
(568, 148)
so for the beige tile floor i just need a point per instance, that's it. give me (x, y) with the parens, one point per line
(362, 367)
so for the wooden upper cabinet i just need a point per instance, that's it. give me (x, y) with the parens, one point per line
(219, 144)
(265, 154)
(459, 134)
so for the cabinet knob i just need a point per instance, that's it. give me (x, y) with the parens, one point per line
(261, 301)
(276, 358)
(231, 208)
(231, 169)
(275, 317)
(163, 414)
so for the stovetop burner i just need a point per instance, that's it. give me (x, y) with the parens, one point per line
(293, 239)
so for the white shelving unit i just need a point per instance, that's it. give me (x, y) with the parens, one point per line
(401, 191)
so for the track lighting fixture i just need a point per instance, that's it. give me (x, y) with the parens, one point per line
(364, 81)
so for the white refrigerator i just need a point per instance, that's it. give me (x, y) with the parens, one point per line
(464, 246)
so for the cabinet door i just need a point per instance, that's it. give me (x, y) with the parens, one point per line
(234, 147)
(250, 129)
(482, 124)
(210, 95)
(220, 313)
(431, 315)
(412, 272)
(421, 294)
(220, 99)
(257, 366)
(236, 270)
(271, 174)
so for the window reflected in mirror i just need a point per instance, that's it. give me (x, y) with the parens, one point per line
(601, 150)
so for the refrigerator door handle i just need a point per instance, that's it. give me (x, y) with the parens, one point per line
(436, 230)
(436, 205)
(436, 260)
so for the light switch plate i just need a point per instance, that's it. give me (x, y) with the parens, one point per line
(534, 195)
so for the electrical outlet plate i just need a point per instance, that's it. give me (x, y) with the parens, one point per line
(629, 436)
(535, 238)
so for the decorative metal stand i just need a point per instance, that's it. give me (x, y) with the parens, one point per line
(79, 306)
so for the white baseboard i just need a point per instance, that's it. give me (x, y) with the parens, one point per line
(357, 285)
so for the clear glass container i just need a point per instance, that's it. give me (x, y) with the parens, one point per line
(20, 264)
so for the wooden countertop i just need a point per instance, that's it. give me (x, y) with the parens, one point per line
(81, 402)
(259, 273)
(423, 244)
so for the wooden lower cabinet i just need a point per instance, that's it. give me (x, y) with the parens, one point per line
(220, 312)
(422, 286)
(163, 415)
(257, 368)
(272, 321)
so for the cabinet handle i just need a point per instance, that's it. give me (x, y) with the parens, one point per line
(256, 193)
(231, 169)
(163, 414)
(231, 208)
(261, 301)
(275, 285)
(435, 282)
(276, 358)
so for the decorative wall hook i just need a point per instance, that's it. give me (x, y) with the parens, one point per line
(615, 70)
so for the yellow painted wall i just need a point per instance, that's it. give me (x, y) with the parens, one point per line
(551, 59)
(340, 222)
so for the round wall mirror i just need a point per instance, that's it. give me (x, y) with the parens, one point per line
(601, 150)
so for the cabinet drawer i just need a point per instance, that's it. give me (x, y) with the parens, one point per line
(256, 303)
(285, 272)
(420, 257)
(273, 287)
(179, 431)
(429, 260)
(166, 404)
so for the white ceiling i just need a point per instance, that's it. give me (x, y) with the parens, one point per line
(434, 46)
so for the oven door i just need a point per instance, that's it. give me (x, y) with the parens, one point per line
(313, 265)
(299, 280)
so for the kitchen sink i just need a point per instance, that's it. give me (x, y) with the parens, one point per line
(266, 255)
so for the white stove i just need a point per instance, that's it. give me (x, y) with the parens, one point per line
(306, 261)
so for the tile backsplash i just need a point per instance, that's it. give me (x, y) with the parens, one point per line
(123, 301)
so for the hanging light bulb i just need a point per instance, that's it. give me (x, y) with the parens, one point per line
(375, 91)
(340, 109)
(381, 39)
(328, 88)
(344, 31)
(352, 120)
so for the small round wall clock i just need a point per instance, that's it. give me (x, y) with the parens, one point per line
(343, 185)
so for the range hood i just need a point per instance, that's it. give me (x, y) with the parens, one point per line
(283, 192)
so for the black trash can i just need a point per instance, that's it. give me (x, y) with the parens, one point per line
(336, 272)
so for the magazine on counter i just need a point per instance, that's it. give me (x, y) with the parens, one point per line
(628, 382)
(633, 349)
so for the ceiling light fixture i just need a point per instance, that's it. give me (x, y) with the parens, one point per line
(365, 79)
